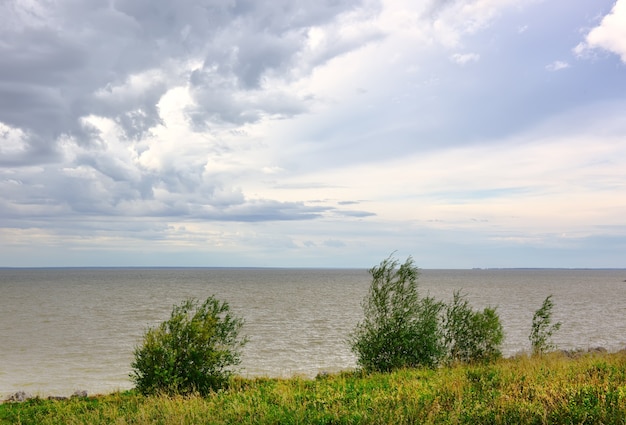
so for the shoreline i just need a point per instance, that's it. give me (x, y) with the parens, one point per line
(21, 396)
(555, 388)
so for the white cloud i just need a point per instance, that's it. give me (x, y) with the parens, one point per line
(534, 182)
(12, 141)
(455, 19)
(557, 66)
(465, 58)
(609, 35)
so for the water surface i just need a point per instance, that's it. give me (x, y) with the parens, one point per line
(63, 330)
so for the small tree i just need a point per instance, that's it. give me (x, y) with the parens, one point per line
(471, 336)
(192, 352)
(543, 328)
(399, 329)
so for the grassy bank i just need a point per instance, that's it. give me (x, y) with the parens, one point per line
(551, 389)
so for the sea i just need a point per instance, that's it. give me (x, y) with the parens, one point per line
(74, 329)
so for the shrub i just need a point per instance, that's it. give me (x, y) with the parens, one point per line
(543, 328)
(192, 352)
(399, 329)
(471, 336)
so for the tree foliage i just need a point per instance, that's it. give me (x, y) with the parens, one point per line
(401, 329)
(543, 328)
(470, 335)
(192, 352)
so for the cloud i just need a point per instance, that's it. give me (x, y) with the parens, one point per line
(452, 20)
(465, 58)
(557, 66)
(12, 142)
(134, 108)
(356, 213)
(268, 129)
(610, 35)
(116, 60)
(333, 243)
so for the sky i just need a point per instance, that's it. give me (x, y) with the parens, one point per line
(333, 133)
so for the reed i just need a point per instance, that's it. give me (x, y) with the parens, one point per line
(549, 389)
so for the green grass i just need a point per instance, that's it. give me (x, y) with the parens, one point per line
(552, 389)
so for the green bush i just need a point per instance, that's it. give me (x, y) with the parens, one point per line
(192, 352)
(471, 336)
(399, 329)
(543, 328)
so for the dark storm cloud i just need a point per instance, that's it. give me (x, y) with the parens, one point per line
(57, 59)
(103, 188)
(263, 41)
(91, 204)
(63, 62)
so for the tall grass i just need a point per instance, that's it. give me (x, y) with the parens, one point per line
(550, 389)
